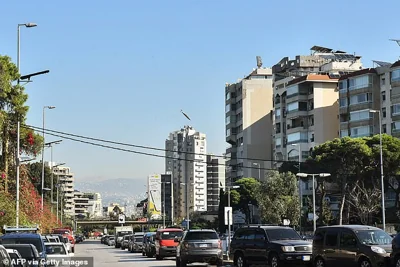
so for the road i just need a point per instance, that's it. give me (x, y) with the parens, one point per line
(105, 256)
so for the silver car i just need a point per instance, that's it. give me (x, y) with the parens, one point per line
(199, 246)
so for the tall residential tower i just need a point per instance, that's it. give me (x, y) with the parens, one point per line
(187, 162)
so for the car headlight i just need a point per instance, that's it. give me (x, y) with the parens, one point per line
(288, 248)
(378, 250)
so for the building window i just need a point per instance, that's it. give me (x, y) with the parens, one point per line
(343, 102)
(343, 86)
(361, 131)
(359, 99)
(383, 94)
(277, 113)
(228, 108)
(299, 137)
(292, 91)
(384, 112)
(278, 142)
(359, 82)
(383, 80)
(360, 115)
(396, 126)
(384, 128)
(396, 109)
(395, 75)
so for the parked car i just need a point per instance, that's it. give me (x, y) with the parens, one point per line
(165, 243)
(275, 245)
(202, 246)
(358, 245)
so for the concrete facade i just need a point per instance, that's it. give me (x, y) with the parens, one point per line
(215, 181)
(248, 113)
(186, 160)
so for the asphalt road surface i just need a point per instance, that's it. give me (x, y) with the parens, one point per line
(105, 256)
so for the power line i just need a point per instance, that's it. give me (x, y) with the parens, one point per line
(146, 147)
(139, 152)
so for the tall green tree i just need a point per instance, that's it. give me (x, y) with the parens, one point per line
(346, 159)
(391, 166)
(278, 198)
(13, 108)
(247, 194)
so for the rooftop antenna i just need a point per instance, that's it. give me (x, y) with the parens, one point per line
(259, 61)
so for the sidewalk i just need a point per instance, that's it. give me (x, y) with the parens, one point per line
(227, 261)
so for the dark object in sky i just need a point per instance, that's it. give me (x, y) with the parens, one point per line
(184, 114)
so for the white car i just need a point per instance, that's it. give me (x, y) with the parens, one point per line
(57, 253)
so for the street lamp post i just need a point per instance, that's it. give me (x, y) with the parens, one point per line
(187, 204)
(300, 183)
(50, 144)
(382, 176)
(28, 25)
(259, 170)
(304, 175)
(229, 187)
(44, 108)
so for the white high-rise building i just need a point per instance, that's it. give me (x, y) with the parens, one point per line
(186, 160)
(64, 179)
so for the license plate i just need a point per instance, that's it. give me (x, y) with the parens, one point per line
(203, 245)
(306, 258)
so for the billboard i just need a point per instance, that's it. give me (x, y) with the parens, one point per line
(154, 196)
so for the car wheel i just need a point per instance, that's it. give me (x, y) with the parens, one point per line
(178, 262)
(274, 260)
(220, 263)
(158, 257)
(319, 262)
(182, 263)
(239, 260)
(397, 262)
(364, 262)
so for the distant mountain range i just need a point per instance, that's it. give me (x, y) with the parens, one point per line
(123, 191)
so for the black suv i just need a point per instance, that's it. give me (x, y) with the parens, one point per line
(272, 245)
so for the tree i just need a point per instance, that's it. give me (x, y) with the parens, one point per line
(278, 198)
(245, 194)
(13, 109)
(326, 213)
(346, 160)
(391, 159)
(365, 201)
(35, 175)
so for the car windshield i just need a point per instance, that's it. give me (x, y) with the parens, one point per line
(34, 241)
(374, 237)
(283, 234)
(171, 235)
(201, 235)
(124, 233)
(139, 239)
(56, 250)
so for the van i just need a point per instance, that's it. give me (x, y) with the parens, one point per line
(165, 242)
(351, 245)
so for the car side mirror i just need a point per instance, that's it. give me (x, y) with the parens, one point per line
(304, 237)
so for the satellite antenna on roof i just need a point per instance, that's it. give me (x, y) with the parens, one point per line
(259, 61)
(395, 40)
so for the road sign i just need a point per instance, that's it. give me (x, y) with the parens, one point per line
(228, 216)
(121, 218)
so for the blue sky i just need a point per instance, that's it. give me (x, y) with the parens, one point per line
(122, 70)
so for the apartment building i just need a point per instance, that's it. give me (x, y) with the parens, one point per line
(65, 182)
(306, 100)
(186, 160)
(81, 204)
(95, 208)
(364, 92)
(248, 113)
(215, 181)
